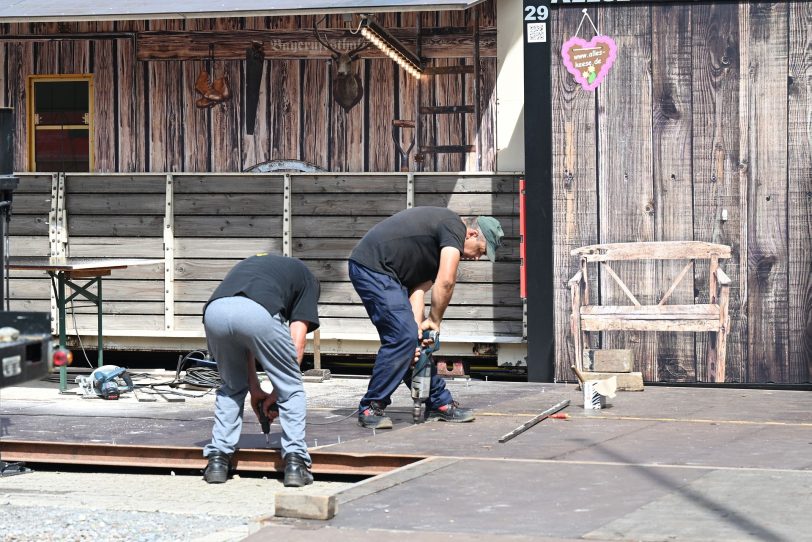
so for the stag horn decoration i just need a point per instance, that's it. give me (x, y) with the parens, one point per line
(347, 87)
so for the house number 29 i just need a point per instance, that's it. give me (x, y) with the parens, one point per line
(536, 13)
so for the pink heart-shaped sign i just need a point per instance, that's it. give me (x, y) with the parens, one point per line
(589, 61)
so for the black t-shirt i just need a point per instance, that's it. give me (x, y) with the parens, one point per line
(278, 283)
(406, 246)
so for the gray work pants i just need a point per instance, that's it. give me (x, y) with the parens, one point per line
(234, 327)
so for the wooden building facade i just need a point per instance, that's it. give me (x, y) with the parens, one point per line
(700, 131)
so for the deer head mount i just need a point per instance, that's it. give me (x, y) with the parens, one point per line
(347, 87)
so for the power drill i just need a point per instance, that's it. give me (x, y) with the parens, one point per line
(421, 374)
(265, 422)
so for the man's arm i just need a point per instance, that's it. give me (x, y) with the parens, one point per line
(417, 299)
(443, 287)
(298, 333)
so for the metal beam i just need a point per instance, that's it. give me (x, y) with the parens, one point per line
(539, 191)
(185, 457)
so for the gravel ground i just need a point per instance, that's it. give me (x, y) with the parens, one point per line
(91, 506)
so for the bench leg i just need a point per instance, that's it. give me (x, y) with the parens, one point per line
(721, 355)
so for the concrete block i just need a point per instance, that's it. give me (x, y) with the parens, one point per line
(304, 506)
(609, 360)
(625, 381)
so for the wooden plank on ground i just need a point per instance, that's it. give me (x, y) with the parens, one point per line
(763, 121)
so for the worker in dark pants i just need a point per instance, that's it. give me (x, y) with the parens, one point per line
(262, 311)
(392, 268)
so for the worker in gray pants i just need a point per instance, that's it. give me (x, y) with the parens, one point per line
(246, 320)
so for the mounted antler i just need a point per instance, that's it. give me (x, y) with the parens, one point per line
(347, 87)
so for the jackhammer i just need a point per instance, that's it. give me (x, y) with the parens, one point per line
(421, 374)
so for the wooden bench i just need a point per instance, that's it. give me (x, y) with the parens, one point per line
(710, 317)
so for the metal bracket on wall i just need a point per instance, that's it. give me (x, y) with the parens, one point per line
(57, 234)
(409, 190)
(287, 238)
(169, 256)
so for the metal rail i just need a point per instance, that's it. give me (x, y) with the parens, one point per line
(186, 457)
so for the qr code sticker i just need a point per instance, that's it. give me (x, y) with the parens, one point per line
(536, 32)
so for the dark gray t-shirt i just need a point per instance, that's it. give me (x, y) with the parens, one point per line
(406, 246)
(280, 284)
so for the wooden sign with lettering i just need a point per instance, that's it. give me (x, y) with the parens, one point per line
(589, 61)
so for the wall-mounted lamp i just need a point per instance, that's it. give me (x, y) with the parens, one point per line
(390, 45)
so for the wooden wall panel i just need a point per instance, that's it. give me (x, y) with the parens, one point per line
(672, 129)
(625, 166)
(225, 117)
(105, 123)
(196, 120)
(764, 30)
(315, 122)
(254, 148)
(716, 82)
(800, 193)
(575, 202)
(129, 96)
(20, 62)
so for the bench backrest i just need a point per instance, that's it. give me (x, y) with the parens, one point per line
(655, 250)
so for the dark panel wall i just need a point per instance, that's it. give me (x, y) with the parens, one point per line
(700, 131)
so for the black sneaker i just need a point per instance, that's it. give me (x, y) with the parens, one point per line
(216, 472)
(374, 418)
(452, 413)
(297, 473)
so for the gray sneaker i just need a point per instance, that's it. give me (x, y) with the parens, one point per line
(452, 412)
(374, 418)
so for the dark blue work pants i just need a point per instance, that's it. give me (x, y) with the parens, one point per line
(387, 303)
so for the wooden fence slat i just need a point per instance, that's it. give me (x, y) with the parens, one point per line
(104, 121)
(800, 193)
(763, 121)
(574, 188)
(625, 163)
(716, 75)
(672, 122)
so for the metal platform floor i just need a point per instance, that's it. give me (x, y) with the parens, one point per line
(663, 464)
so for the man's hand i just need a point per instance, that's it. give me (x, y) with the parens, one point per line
(260, 399)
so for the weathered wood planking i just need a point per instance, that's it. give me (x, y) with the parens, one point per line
(254, 148)
(129, 93)
(764, 30)
(716, 82)
(226, 128)
(285, 96)
(197, 120)
(336, 270)
(164, 102)
(625, 164)
(315, 119)
(574, 171)
(106, 125)
(380, 146)
(800, 193)
(672, 123)
(20, 64)
(31, 203)
(438, 42)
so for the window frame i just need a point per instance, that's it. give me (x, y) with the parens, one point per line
(32, 126)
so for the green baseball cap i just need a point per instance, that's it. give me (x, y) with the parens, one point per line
(492, 230)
